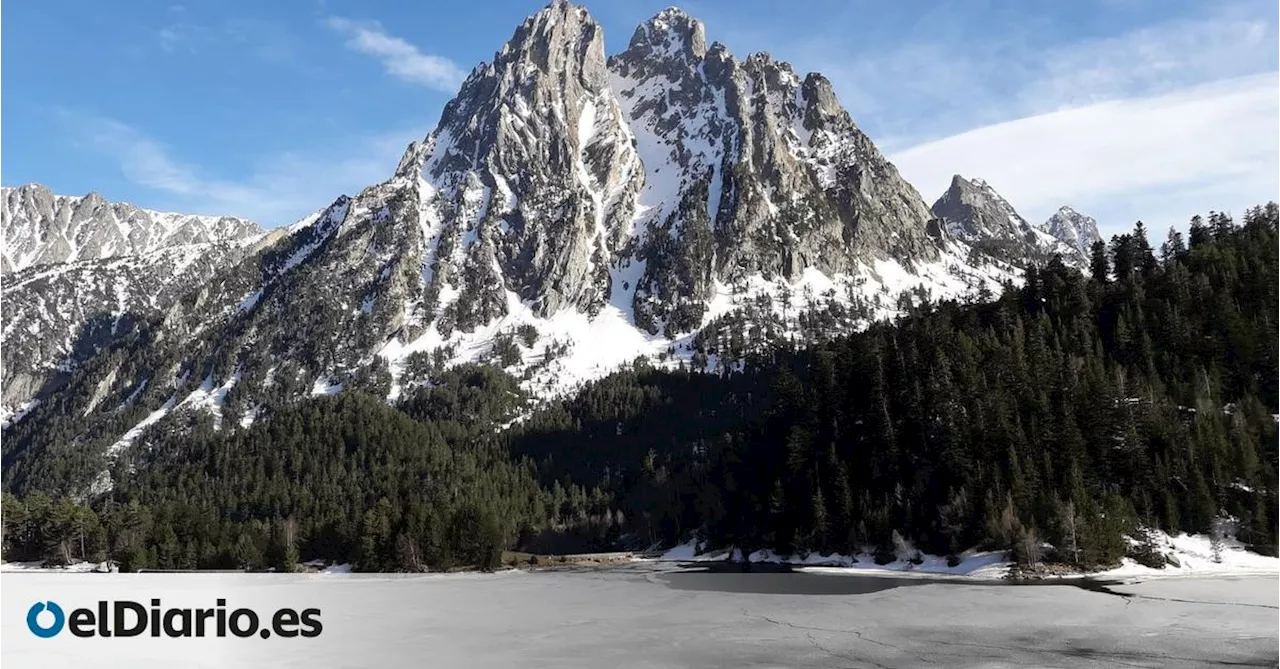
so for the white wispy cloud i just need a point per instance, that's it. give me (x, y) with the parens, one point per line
(1152, 59)
(401, 59)
(1156, 122)
(180, 37)
(277, 189)
(944, 81)
(1158, 158)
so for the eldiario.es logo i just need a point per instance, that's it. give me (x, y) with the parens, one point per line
(124, 618)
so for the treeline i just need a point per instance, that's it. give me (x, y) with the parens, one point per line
(344, 478)
(1072, 409)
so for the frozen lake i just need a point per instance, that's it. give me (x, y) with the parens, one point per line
(649, 615)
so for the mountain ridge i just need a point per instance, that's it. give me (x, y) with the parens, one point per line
(570, 212)
(971, 210)
(88, 269)
(41, 227)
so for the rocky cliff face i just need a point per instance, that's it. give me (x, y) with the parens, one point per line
(528, 180)
(41, 228)
(974, 213)
(750, 169)
(82, 271)
(569, 213)
(1077, 231)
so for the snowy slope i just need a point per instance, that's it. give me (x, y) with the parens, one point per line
(59, 315)
(569, 214)
(41, 228)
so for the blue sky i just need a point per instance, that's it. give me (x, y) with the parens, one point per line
(1124, 109)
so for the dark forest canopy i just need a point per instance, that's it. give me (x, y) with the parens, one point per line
(1144, 394)
(1073, 409)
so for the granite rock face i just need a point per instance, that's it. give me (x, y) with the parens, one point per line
(974, 213)
(573, 180)
(608, 208)
(1074, 229)
(58, 316)
(751, 169)
(41, 228)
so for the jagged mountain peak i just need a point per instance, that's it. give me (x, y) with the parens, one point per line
(762, 167)
(976, 186)
(973, 212)
(1074, 229)
(966, 198)
(607, 208)
(766, 59)
(557, 23)
(673, 14)
(528, 177)
(671, 32)
(562, 39)
(818, 89)
(31, 186)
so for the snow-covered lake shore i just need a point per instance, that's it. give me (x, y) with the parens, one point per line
(1189, 555)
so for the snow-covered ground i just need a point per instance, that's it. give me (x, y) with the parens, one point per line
(76, 568)
(325, 567)
(640, 616)
(974, 564)
(1194, 554)
(137, 430)
(10, 415)
(578, 336)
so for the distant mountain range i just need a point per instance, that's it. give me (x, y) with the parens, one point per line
(571, 211)
(41, 228)
(975, 213)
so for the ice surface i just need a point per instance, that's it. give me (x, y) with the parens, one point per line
(640, 616)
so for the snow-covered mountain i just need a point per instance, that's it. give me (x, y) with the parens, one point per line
(666, 168)
(974, 213)
(569, 213)
(57, 316)
(1074, 229)
(42, 228)
(87, 271)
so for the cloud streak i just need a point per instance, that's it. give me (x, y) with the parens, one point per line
(943, 81)
(1156, 121)
(278, 189)
(399, 58)
(269, 41)
(1159, 158)
(1151, 60)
